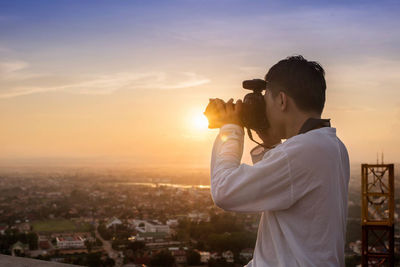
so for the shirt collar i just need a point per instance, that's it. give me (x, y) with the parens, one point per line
(314, 123)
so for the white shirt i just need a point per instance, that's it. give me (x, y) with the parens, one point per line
(300, 187)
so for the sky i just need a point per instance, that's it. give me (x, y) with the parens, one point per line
(126, 82)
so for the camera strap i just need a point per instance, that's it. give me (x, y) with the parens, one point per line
(314, 123)
(252, 139)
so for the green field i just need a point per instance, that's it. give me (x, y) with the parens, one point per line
(60, 225)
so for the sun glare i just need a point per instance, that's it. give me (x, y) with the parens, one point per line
(197, 125)
(196, 120)
(199, 121)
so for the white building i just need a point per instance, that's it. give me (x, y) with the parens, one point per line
(151, 227)
(70, 242)
(113, 222)
(3, 229)
(356, 247)
(172, 222)
(228, 256)
(155, 227)
(246, 253)
(204, 256)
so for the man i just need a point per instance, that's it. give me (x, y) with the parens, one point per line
(299, 186)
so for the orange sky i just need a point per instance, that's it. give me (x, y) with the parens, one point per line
(128, 91)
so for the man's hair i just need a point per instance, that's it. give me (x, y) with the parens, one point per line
(301, 79)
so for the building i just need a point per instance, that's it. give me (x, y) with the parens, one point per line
(172, 222)
(228, 256)
(113, 222)
(24, 227)
(19, 249)
(3, 229)
(143, 226)
(204, 256)
(215, 256)
(356, 247)
(151, 236)
(64, 242)
(246, 254)
(178, 254)
(155, 227)
(44, 244)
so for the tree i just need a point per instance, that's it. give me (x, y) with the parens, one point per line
(88, 245)
(137, 245)
(193, 257)
(109, 262)
(218, 263)
(163, 258)
(98, 242)
(32, 240)
(104, 232)
(94, 259)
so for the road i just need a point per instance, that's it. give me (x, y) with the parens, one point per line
(110, 251)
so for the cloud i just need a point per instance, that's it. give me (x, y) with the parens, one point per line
(13, 71)
(16, 80)
(189, 79)
(8, 67)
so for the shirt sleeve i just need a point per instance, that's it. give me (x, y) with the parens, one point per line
(266, 185)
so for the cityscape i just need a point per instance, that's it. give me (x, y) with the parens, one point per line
(135, 218)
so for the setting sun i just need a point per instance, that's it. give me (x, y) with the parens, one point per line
(196, 120)
(199, 121)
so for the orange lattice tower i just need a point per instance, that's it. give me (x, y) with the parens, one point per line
(377, 214)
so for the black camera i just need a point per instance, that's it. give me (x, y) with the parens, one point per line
(253, 114)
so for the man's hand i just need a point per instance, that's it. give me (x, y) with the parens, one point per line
(220, 113)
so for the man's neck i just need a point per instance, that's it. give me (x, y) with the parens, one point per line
(294, 125)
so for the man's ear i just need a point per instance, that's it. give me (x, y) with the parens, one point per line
(283, 101)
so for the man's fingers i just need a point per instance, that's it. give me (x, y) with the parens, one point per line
(220, 104)
(219, 101)
(239, 106)
(212, 105)
(229, 106)
(219, 113)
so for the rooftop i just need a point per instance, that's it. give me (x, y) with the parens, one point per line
(7, 261)
(69, 238)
